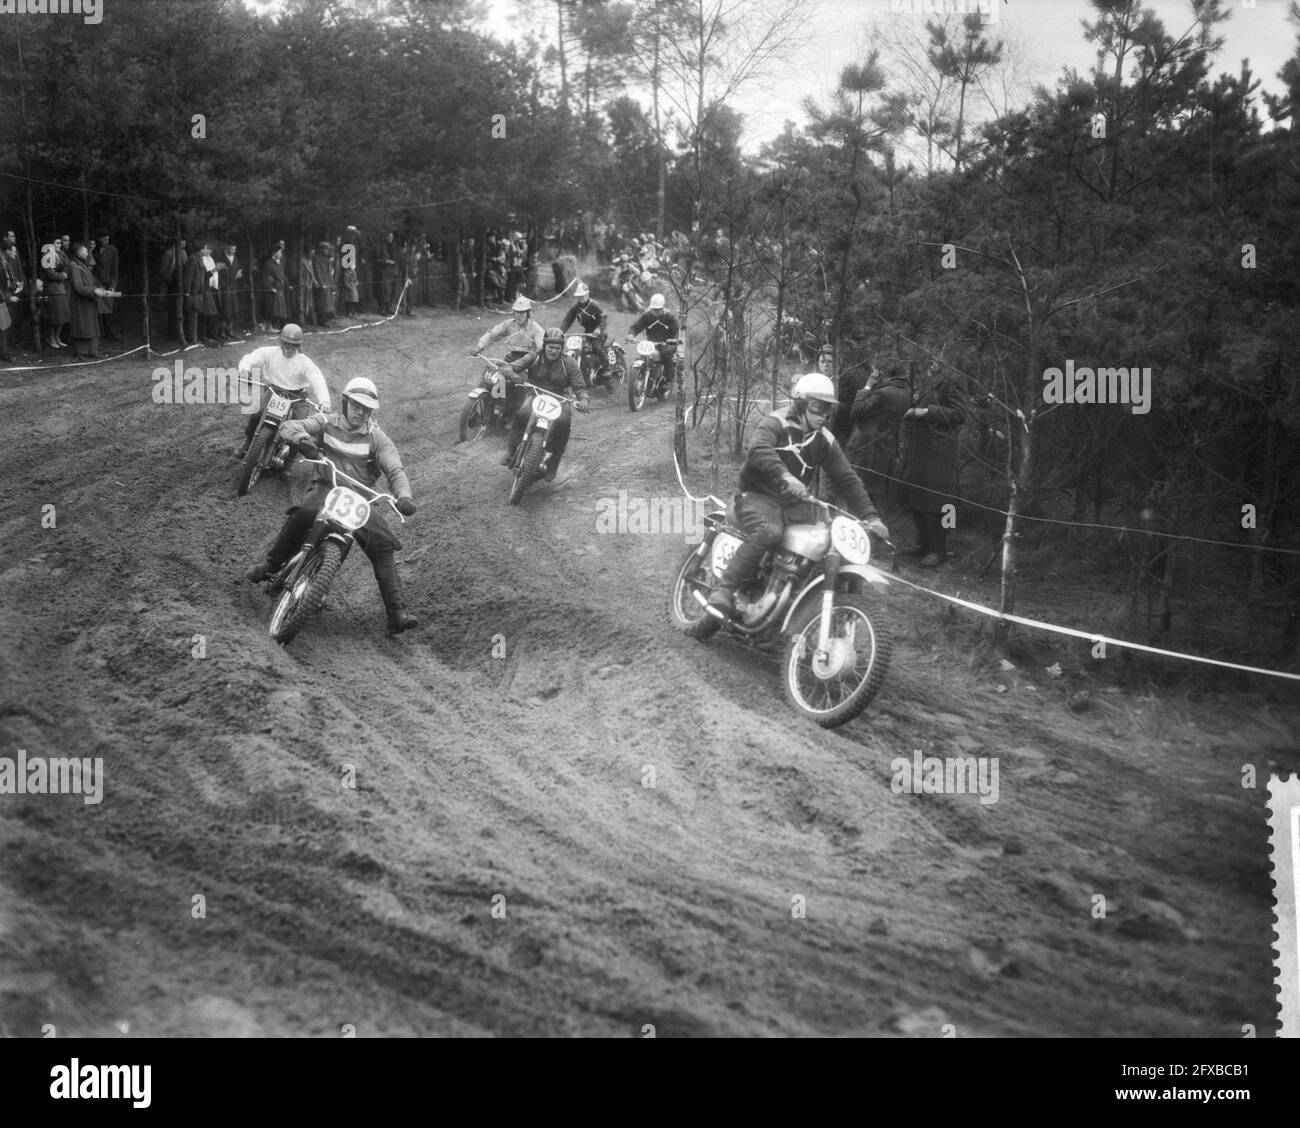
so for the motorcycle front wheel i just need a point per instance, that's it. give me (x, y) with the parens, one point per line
(528, 464)
(636, 387)
(300, 602)
(252, 468)
(837, 688)
(474, 419)
(684, 610)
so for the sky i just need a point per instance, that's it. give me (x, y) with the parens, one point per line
(1048, 32)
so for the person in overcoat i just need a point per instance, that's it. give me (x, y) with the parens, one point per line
(875, 416)
(930, 433)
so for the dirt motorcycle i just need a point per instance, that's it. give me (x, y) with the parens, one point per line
(599, 368)
(628, 287)
(816, 597)
(267, 452)
(304, 581)
(533, 454)
(488, 405)
(650, 375)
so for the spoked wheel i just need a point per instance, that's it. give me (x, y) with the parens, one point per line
(528, 464)
(683, 608)
(636, 387)
(252, 468)
(836, 687)
(474, 418)
(304, 598)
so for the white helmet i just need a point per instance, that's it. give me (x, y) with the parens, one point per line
(656, 301)
(522, 305)
(814, 386)
(581, 290)
(362, 391)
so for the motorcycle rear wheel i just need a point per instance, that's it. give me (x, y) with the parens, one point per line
(474, 418)
(684, 611)
(527, 472)
(304, 599)
(252, 469)
(831, 702)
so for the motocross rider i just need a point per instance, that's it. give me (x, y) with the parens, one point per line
(557, 373)
(523, 338)
(283, 366)
(661, 327)
(593, 319)
(355, 444)
(789, 447)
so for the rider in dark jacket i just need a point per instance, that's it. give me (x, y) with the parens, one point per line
(659, 326)
(355, 444)
(592, 318)
(556, 373)
(789, 447)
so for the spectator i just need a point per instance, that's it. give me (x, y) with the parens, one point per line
(13, 293)
(55, 266)
(323, 268)
(930, 467)
(349, 276)
(106, 274)
(304, 285)
(275, 308)
(386, 274)
(171, 272)
(876, 414)
(228, 275)
(84, 311)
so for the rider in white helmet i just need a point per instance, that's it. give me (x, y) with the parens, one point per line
(592, 318)
(659, 326)
(281, 366)
(789, 449)
(353, 441)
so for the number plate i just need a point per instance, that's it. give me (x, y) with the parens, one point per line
(573, 343)
(645, 348)
(547, 407)
(278, 405)
(346, 507)
(851, 540)
(724, 548)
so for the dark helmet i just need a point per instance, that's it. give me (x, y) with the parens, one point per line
(553, 336)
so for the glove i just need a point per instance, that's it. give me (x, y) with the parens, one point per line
(308, 448)
(476, 352)
(792, 489)
(877, 526)
(406, 507)
(584, 406)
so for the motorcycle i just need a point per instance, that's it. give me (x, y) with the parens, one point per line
(810, 599)
(533, 454)
(488, 404)
(628, 283)
(304, 581)
(649, 375)
(583, 348)
(267, 451)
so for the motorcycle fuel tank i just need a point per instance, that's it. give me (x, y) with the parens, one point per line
(809, 541)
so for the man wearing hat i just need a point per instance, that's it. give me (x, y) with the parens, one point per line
(282, 366)
(323, 292)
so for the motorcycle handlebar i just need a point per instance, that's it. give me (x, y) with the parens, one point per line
(336, 474)
(292, 393)
(548, 392)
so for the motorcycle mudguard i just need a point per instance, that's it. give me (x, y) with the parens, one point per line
(478, 392)
(812, 589)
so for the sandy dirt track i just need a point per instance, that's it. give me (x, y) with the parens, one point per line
(522, 775)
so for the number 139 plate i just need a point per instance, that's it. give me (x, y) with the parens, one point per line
(346, 507)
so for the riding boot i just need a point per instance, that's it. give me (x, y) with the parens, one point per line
(390, 589)
(739, 571)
